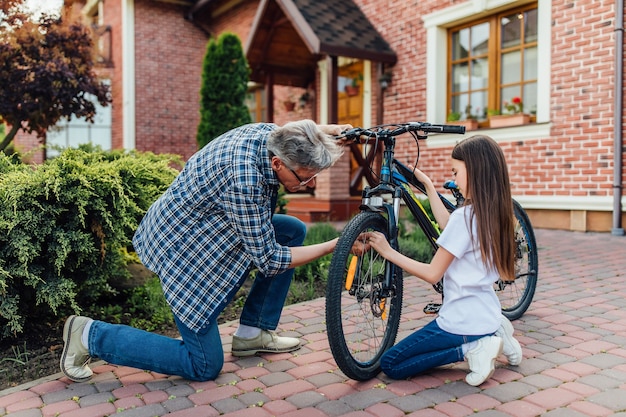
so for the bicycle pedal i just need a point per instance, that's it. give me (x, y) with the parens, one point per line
(432, 308)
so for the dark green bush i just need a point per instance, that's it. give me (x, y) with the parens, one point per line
(225, 76)
(65, 226)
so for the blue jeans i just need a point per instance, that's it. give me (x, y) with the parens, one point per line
(425, 349)
(198, 356)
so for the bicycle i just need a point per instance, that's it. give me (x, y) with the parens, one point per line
(364, 293)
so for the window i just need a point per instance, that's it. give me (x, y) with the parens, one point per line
(74, 132)
(492, 64)
(255, 100)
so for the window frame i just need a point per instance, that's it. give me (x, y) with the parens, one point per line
(437, 25)
(494, 54)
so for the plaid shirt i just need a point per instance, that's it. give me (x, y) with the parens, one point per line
(213, 225)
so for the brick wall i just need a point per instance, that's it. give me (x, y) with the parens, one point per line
(576, 160)
(167, 78)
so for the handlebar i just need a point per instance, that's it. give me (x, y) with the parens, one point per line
(399, 129)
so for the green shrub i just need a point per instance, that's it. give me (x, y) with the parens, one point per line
(309, 280)
(66, 224)
(148, 308)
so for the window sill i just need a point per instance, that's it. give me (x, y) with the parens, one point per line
(503, 134)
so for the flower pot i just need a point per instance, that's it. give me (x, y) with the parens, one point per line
(505, 120)
(471, 124)
(352, 90)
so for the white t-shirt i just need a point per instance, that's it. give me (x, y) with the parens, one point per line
(470, 305)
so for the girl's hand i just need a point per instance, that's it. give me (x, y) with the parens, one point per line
(421, 177)
(379, 242)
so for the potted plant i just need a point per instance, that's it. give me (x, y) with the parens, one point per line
(513, 116)
(290, 101)
(353, 88)
(470, 122)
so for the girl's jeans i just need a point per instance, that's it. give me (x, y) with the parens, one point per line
(425, 349)
(198, 356)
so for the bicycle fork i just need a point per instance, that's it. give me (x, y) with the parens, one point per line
(378, 287)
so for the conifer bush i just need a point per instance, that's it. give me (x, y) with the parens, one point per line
(65, 226)
(225, 76)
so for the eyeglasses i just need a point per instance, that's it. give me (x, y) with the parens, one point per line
(302, 183)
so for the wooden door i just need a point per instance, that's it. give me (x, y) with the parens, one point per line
(350, 110)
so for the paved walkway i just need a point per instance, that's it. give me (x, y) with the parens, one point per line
(573, 337)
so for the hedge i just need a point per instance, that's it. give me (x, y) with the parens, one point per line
(66, 227)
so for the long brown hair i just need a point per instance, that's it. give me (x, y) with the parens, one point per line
(489, 192)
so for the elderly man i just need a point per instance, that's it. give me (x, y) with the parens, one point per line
(202, 237)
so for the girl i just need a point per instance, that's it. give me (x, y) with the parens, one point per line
(476, 247)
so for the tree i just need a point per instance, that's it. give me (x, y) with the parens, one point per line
(225, 75)
(46, 72)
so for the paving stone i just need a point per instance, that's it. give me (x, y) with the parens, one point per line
(601, 382)
(533, 366)
(557, 358)
(180, 391)
(160, 385)
(107, 386)
(306, 399)
(604, 360)
(287, 389)
(57, 408)
(98, 398)
(326, 378)
(253, 398)
(215, 394)
(280, 366)
(335, 408)
(411, 403)
(613, 399)
(564, 412)
(276, 378)
(73, 390)
(364, 399)
(177, 404)
(510, 392)
(458, 389)
(34, 412)
(552, 398)
(228, 405)
(541, 381)
(145, 411)
(590, 409)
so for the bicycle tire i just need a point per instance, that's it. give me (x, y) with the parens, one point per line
(358, 330)
(516, 296)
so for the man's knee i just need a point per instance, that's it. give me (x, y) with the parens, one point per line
(290, 231)
(206, 370)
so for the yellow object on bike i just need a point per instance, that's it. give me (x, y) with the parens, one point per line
(351, 272)
(382, 305)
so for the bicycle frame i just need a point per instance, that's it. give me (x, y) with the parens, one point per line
(396, 179)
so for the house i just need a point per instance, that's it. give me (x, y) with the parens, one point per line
(560, 63)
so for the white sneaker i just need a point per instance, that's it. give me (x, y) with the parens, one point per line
(482, 359)
(511, 347)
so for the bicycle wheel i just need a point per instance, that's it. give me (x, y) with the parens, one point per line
(516, 296)
(361, 319)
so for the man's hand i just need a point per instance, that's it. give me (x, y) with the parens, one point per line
(360, 245)
(334, 130)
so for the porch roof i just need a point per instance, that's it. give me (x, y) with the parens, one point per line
(289, 37)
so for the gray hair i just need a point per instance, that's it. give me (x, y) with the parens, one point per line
(302, 144)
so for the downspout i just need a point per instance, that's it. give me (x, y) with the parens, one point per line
(617, 229)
